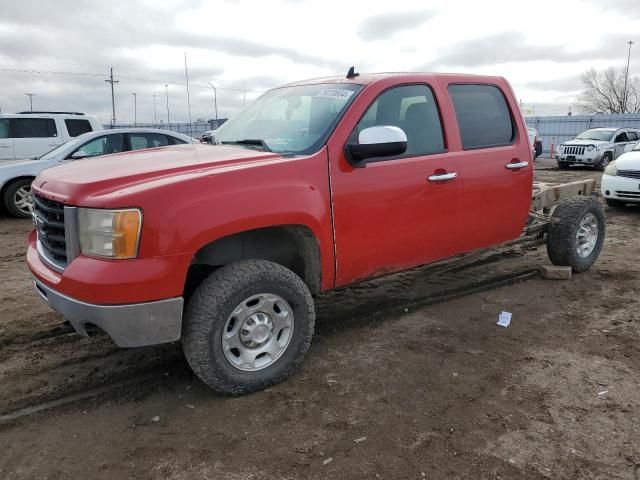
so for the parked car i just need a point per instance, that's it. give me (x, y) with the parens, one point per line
(596, 147)
(621, 179)
(536, 143)
(315, 185)
(32, 134)
(207, 136)
(16, 176)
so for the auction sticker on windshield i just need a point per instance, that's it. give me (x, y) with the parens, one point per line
(334, 93)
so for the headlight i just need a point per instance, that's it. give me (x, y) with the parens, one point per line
(109, 233)
(591, 148)
(560, 147)
(611, 169)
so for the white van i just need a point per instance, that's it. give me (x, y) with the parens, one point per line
(31, 134)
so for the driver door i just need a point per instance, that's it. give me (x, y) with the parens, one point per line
(621, 141)
(395, 213)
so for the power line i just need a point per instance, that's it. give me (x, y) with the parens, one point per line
(126, 77)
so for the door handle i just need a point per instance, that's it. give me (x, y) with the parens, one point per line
(442, 177)
(516, 165)
(54, 144)
(5, 146)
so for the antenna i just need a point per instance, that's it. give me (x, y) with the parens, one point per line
(352, 73)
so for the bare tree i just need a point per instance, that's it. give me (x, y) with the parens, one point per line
(604, 92)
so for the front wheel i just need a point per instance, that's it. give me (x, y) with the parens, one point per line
(576, 233)
(17, 198)
(248, 326)
(563, 165)
(613, 203)
(604, 163)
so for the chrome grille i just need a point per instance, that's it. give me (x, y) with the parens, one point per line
(48, 217)
(573, 150)
(629, 173)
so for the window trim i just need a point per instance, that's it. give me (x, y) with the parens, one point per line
(515, 133)
(404, 155)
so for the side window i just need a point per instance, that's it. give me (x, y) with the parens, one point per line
(147, 140)
(483, 116)
(77, 127)
(33, 128)
(633, 136)
(414, 110)
(102, 145)
(4, 128)
(621, 138)
(174, 140)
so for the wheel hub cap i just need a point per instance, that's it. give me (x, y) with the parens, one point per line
(257, 332)
(587, 235)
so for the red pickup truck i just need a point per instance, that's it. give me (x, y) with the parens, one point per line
(316, 185)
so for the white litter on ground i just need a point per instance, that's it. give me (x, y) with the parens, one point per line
(504, 319)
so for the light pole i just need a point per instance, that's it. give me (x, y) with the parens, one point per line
(30, 95)
(135, 109)
(166, 90)
(626, 78)
(155, 112)
(215, 101)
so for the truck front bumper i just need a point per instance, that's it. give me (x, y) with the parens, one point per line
(131, 325)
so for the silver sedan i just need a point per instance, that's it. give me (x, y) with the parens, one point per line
(16, 176)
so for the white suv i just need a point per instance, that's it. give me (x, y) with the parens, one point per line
(31, 134)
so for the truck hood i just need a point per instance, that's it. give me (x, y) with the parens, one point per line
(74, 182)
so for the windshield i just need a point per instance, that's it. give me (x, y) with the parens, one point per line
(294, 120)
(604, 135)
(74, 141)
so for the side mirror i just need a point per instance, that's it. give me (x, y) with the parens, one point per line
(80, 154)
(380, 141)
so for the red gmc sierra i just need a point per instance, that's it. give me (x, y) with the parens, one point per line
(315, 185)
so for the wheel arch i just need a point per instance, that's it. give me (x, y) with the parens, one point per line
(5, 185)
(292, 246)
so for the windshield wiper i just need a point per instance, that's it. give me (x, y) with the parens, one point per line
(250, 142)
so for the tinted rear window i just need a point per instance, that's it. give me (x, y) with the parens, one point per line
(483, 116)
(33, 128)
(77, 127)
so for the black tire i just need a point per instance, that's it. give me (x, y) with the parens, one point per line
(212, 304)
(613, 203)
(606, 159)
(10, 194)
(562, 235)
(563, 165)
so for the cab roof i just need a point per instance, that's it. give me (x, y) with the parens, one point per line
(368, 78)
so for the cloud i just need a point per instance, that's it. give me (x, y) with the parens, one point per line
(564, 84)
(381, 27)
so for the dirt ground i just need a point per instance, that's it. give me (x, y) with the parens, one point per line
(395, 386)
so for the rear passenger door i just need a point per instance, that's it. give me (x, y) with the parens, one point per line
(33, 137)
(6, 143)
(494, 165)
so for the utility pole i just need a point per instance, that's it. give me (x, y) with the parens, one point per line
(215, 101)
(135, 109)
(155, 112)
(113, 100)
(626, 79)
(186, 75)
(30, 95)
(166, 90)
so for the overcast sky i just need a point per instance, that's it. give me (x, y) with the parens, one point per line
(62, 50)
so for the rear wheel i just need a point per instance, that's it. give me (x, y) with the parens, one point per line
(17, 198)
(248, 326)
(576, 233)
